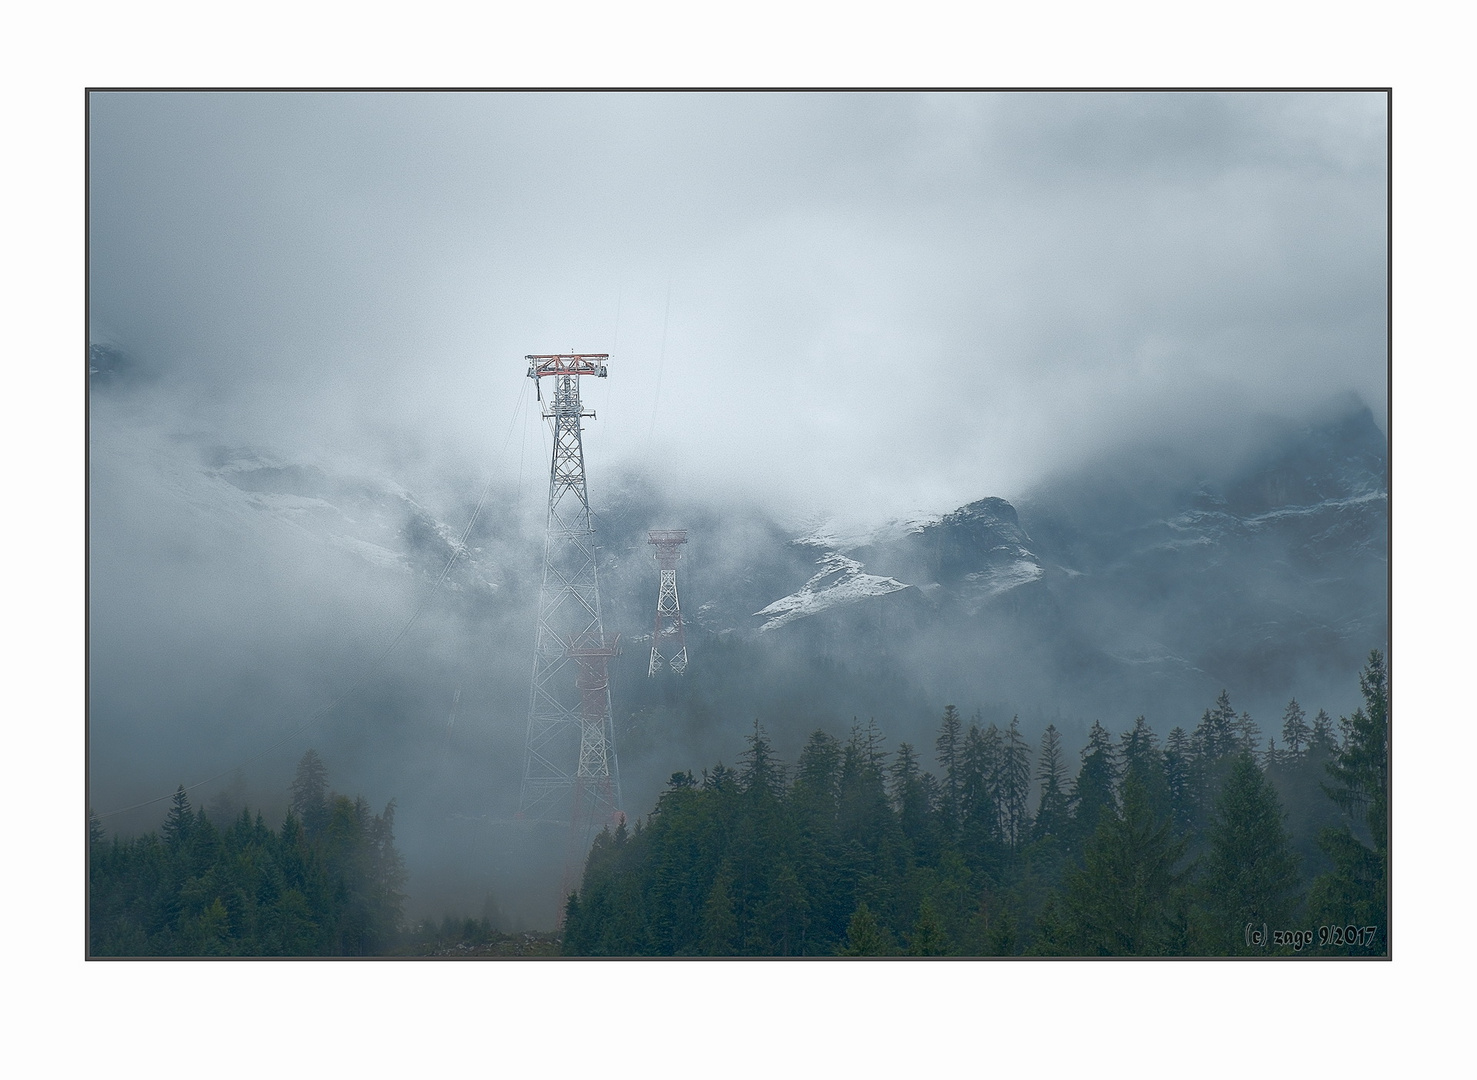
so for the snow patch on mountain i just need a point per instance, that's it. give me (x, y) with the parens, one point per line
(995, 580)
(1203, 527)
(840, 581)
(1317, 508)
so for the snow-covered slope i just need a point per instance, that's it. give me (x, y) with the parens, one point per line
(840, 582)
(253, 495)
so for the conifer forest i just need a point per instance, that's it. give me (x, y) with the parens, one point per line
(1222, 840)
(784, 524)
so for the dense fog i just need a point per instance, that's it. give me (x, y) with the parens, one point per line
(1142, 320)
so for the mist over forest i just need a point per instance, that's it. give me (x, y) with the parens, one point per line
(249, 606)
(879, 355)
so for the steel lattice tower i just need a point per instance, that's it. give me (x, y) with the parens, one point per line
(668, 642)
(570, 772)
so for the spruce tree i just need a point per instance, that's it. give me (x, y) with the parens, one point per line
(818, 776)
(720, 779)
(720, 934)
(1123, 901)
(979, 790)
(1360, 772)
(1092, 792)
(1216, 734)
(1216, 741)
(310, 794)
(1014, 788)
(1180, 774)
(909, 795)
(1140, 759)
(814, 804)
(1322, 736)
(1002, 933)
(1051, 772)
(784, 915)
(1295, 729)
(1248, 734)
(179, 823)
(928, 937)
(950, 749)
(1251, 873)
(1272, 758)
(865, 936)
(760, 772)
(1356, 891)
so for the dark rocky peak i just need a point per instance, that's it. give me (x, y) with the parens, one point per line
(983, 537)
(1127, 500)
(1343, 456)
(990, 518)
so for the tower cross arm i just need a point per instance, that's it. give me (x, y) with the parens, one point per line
(541, 365)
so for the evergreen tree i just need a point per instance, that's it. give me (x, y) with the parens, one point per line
(909, 795)
(310, 794)
(784, 916)
(928, 937)
(387, 878)
(1051, 771)
(1216, 741)
(760, 771)
(1092, 792)
(1295, 729)
(1123, 900)
(815, 802)
(1137, 745)
(1251, 874)
(1216, 735)
(868, 837)
(1002, 933)
(979, 790)
(1140, 759)
(1356, 891)
(1360, 772)
(1014, 787)
(1298, 779)
(179, 824)
(721, 779)
(1322, 736)
(865, 936)
(1180, 768)
(1248, 734)
(950, 750)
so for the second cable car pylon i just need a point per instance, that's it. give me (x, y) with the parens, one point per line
(668, 638)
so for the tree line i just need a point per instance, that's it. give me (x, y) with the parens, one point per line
(1209, 843)
(327, 883)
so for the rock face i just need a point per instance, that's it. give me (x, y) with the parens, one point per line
(1137, 583)
(1270, 576)
(971, 559)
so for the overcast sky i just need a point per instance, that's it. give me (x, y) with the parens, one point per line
(871, 303)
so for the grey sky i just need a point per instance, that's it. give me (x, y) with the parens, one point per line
(878, 303)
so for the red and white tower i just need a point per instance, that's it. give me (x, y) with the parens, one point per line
(569, 769)
(668, 642)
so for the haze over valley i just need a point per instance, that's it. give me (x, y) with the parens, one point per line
(1069, 408)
